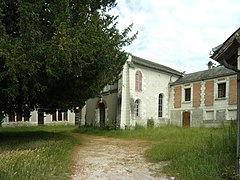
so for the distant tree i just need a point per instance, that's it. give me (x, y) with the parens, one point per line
(56, 54)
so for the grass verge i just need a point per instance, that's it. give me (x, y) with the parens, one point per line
(44, 152)
(36, 152)
(193, 153)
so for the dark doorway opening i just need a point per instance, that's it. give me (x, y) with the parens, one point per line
(186, 119)
(102, 114)
(40, 118)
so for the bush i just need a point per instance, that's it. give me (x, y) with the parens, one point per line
(139, 126)
(150, 123)
(111, 125)
(230, 173)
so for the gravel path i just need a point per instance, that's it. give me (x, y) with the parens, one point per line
(113, 159)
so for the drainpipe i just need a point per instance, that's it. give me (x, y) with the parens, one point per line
(238, 113)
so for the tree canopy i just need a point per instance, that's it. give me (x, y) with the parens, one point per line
(56, 54)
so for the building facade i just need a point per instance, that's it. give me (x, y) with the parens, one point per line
(148, 90)
(142, 93)
(40, 118)
(205, 98)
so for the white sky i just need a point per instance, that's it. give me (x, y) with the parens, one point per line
(178, 33)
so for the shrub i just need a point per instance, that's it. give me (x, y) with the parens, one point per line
(150, 123)
(111, 125)
(230, 173)
(139, 126)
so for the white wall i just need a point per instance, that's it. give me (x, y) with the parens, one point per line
(33, 121)
(154, 82)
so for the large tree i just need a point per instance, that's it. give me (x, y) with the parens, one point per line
(55, 54)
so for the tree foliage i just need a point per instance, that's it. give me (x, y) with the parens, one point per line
(55, 54)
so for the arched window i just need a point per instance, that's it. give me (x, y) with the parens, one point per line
(160, 105)
(137, 108)
(138, 81)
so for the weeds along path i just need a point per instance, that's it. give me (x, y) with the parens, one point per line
(112, 158)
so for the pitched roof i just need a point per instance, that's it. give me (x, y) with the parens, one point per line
(226, 53)
(153, 65)
(216, 72)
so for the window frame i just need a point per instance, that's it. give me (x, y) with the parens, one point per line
(221, 90)
(65, 115)
(138, 81)
(54, 116)
(187, 94)
(11, 118)
(160, 105)
(60, 116)
(137, 108)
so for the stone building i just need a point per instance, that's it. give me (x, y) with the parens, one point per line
(149, 90)
(41, 118)
(204, 98)
(142, 93)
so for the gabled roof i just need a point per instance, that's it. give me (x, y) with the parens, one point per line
(153, 65)
(226, 53)
(215, 72)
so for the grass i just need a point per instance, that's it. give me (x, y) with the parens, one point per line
(196, 153)
(36, 152)
(192, 153)
(45, 152)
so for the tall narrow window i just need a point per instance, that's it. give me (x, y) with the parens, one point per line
(188, 94)
(26, 118)
(54, 116)
(59, 115)
(160, 105)
(11, 117)
(65, 116)
(222, 90)
(138, 81)
(26, 115)
(137, 108)
(19, 117)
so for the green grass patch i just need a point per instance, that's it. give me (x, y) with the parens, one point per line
(207, 159)
(36, 152)
(193, 153)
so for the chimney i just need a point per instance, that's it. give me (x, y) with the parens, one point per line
(210, 65)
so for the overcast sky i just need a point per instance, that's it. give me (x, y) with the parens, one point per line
(178, 33)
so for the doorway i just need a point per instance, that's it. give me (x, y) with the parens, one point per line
(186, 119)
(102, 114)
(40, 118)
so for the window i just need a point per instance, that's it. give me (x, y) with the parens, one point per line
(26, 118)
(54, 116)
(11, 117)
(222, 90)
(65, 116)
(26, 115)
(232, 115)
(59, 115)
(188, 94)
(138, 81)
(19, 117)
(137, 108)
(209, 115)
(160, 105)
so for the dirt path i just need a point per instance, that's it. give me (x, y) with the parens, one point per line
(113, 159)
